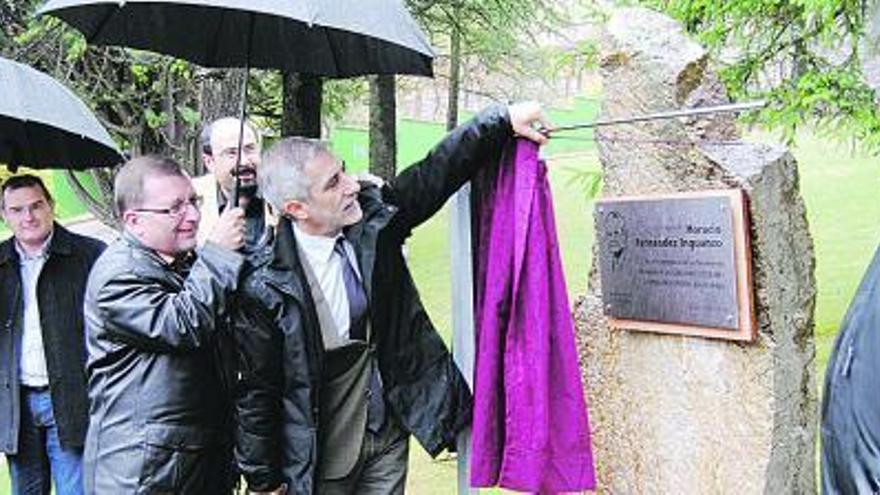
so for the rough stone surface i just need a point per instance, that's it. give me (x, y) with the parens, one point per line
(675, 414)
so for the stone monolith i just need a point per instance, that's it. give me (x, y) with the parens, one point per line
(675, 414)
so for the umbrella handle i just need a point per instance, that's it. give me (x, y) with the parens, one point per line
(236, 191)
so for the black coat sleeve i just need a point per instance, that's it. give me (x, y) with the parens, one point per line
(258, 437)
(423, 188)
(146, 313)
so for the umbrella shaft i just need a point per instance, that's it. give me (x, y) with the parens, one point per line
(236, 193)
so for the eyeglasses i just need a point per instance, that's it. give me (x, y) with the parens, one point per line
(177, 210)
(246, 150)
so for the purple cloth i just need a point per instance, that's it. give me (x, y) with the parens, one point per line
(530, 430)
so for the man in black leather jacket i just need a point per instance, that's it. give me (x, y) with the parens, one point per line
(340, 362)
(152, 304)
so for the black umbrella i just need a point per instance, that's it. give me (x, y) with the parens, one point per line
(334, 38)
(44, 125)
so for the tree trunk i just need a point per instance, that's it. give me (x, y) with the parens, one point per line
(220, 97)
(454, 80)
(163, 140)
(100, 204)
(302, 98)
(175, 139)
(383, 126)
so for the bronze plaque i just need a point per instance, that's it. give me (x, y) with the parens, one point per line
(677, 263)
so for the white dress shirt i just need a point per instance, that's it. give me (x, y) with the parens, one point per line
(32, 366)
(326, 264)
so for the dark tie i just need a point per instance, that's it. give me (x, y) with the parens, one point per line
(357, 298)
(357, 330)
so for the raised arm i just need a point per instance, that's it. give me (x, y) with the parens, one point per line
(423, 188)
(149, 314)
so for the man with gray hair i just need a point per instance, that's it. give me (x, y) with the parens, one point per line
(339, 360)
(157, 397)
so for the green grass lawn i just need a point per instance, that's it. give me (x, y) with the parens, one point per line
(840, 189)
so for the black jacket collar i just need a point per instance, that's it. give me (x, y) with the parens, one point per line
(61, 245)
(362, 235)
(285, 260)
(180, 265)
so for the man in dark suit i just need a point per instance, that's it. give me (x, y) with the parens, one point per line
(43, 402)
(340, 362)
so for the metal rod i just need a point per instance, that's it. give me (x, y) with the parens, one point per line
(236, 193)
(671, 114)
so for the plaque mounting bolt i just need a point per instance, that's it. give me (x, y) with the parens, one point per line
(729, 317)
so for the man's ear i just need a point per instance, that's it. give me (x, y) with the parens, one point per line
(131, 220)
(296, 209)
(208, 160)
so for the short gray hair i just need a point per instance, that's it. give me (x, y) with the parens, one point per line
(282, 172)
(128, 187)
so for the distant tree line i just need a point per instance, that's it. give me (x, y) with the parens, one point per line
(806, 57)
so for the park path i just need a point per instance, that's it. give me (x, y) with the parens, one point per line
(93, 228)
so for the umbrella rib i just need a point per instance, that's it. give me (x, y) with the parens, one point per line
(337, 66)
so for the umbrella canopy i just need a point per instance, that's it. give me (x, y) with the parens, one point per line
(334, 38)
(44, 125)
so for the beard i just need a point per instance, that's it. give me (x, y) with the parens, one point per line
(247, 189)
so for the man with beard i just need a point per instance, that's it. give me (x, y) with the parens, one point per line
(219, 141)
(152, 306)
